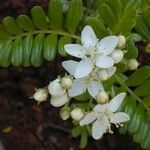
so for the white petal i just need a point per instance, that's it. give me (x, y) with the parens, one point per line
(75, 50)
(115, 103)
(117, 55)
(55, 89)
(107, 45)
(104, 62)
(94, 87)
(70, 66)
(83, 69)
(100, 127)
(111, 71)
(88, 37)
(78, 87)
(119, 117)
(59, 101)
(89, 118)
(100, 108)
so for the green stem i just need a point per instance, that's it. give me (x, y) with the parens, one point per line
(47, 32)
(131, 92)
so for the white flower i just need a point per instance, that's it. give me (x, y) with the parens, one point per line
(91, 83)
(103, 115)
(92, 52)
(59, 95)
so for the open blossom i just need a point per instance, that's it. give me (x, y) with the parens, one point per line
(59, 95)
(93, 52)
(103, 115)
(92, 83)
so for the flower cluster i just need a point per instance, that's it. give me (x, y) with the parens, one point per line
(96, 63)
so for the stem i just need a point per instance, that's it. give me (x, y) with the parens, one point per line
(131, 92)
(47, 32)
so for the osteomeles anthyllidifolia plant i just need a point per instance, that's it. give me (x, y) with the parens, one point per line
(96, 64)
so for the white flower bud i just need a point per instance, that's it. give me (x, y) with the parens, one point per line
(121, 41)
(103, 75)
(65, 113)
(40, 95)
(77, 114)
(117, 56)
(132, 64)
(59, 100)
(66, 82)
(102, 97)
(147, 48)
(55, 88)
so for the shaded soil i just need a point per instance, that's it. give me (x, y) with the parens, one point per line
(26, 126)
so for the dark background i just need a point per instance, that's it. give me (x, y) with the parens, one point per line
(26, 126)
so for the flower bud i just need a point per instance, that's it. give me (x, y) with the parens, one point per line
(132, 64)
(77, 114)
(65, 112)
(121, 41)
(147, 48)
(40, 95)
(55, 88)
(66, 82)
(117, 56)
(102, 97)
(103, 75)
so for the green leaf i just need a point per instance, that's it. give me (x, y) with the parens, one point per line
(143, 90)
(97, 25)
(74, 15)
(146, 101)
(39, 17)
(50, 47)
(142, 28)
(62, 42)
(146, 15)
(3, 34)
(27, 49)
(139, 76)
(84, 138)
(83, 97)
(25, 23)
(132, 51)
(5, 50)
(17, 52)
(127, 19)
(11, 26)
(107, 15)
(55, 14)
(36, 56)
(76, 131)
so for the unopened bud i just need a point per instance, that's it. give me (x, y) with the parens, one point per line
(117, 56)
(147, 48)
(132, 64)
(102, 97)
(121, 41)
(103, 75)
(66, 82)
(65, 112)
(40, 95)
(77, 114)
